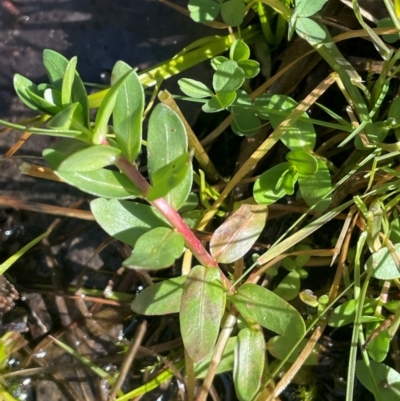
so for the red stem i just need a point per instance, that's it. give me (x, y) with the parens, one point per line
(176, 221)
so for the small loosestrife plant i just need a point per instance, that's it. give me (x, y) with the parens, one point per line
(156, 231)
(224, 313)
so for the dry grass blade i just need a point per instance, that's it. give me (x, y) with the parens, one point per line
(141, 331)
(8, 202)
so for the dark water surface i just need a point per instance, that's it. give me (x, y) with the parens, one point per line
(99, 32)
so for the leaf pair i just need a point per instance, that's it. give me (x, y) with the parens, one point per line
(228, 78)
(232, 11)
(304, 25)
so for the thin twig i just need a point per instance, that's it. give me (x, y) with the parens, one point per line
(141, 331)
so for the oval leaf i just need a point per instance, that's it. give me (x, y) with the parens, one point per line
(280, 346)
(228, 77)
(68, 80)
(301, 135)
(304, 162)
(245, 122)
(156, 249)
(269, 310)
(266, 189)
(193, 88)
(289, 287)
(56, 65)
(233, 12)
(313, 187)
(203, 10)
(124, 220)
(161, 298)
(384, 265)
(249, 363)
(308, 28)
(107, 107)
(166, 141)
(169, 176)
(235, 237)
(239, 51)
(202, 307)
(225, 365)
(128, 111)
(387, 379)
(102, 182)
(90, 159)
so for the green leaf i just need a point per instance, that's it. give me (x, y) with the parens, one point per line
(289, 179)
(289, 287)
(306, 8)
(202, 307)
(128, 111)
(42, 104)
(4, 266)
(169, 176)
(160, 299)
(249, 363)
(394, 111)
(235, 237)
(265, 189)
(166, 141)
(156, 249)
(195, 89)
(190, 204)
(90, 159)
(107, 107)
(233, 12)
(269, 310)
(301, 135)
(228, 77)
(251, 68)
(394, 229)
(71, 118)
(245, 122)
(239, 51)
(104, 183)
(386, 378)
(343, 314)
(193, 217)
(304, 162)
(124, 220)
(280, 346)
(217, 61)
(314, 187)
(68, 80)
(219, 102)
(56, 65)
(31, 97)
(225, 365)
(388, 23)
(52, 96)
(203, 10)
(378, 348)
(384, 265)
(311, 29)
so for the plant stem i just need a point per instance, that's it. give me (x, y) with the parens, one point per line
(176, 221)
